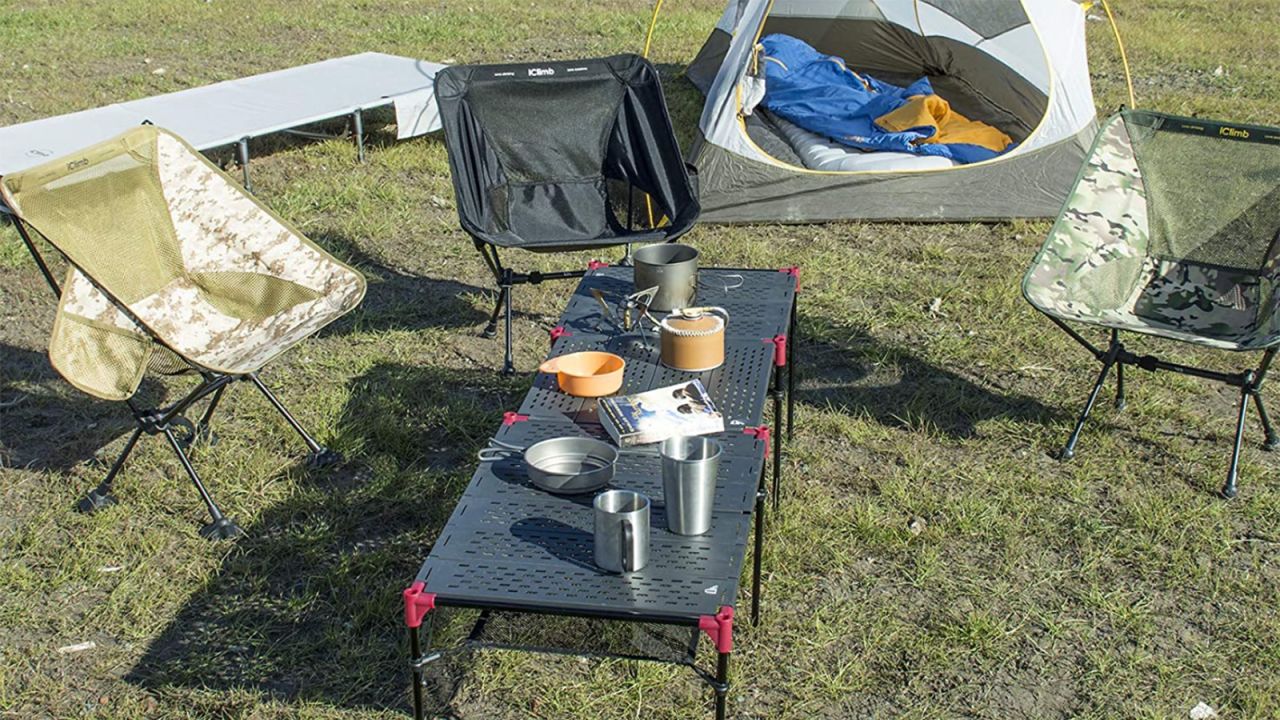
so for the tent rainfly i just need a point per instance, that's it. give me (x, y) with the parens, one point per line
(1019, 65)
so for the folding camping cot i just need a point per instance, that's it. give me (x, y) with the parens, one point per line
(236, 111)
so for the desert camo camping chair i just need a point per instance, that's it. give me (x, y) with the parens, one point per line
(556, 156)
(171, 265)
(1172, 230)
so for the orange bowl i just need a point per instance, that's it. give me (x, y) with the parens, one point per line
(587, 374)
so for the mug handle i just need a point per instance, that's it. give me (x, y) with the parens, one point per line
(628, 549)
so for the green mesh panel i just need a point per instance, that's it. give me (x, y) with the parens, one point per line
(1213, 199)
(105, 209)
(251, 296)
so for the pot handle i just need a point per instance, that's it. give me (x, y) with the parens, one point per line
(628, 549)
(551, 365)
(501, 452)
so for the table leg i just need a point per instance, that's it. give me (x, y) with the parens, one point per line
(778, 443)
(759, 551)
(415, 653)
(791, 370)
(722, 685)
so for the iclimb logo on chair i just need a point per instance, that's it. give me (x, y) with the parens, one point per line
(541, 72)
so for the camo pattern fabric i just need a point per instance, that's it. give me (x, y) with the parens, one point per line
(1095, 268)
(221, 231)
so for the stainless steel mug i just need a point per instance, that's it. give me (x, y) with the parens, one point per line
(673, 268)
(689, 468)
(621, 531)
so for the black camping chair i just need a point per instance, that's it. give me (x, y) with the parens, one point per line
(561, 156)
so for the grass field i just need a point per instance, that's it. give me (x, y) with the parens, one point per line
(1117, 585)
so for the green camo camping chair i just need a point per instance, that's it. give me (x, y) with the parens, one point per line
(172, 266)
(1172, 230)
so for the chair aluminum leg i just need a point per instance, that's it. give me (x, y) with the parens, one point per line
(1108, 360)
(202, 432)
(1121, 402)
(1229, 488)
(508, 362)
(491, 330)
(1272, 440)
(319, 456)
(220, 527)
(101, 497)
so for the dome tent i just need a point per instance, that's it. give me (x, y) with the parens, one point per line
(1019, 65)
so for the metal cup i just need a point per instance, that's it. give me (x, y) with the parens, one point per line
(621, 531)
(673, 268)
(689, 468)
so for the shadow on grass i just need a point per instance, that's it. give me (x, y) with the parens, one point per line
(306, 606)
(398, 300)
(842, 370)
(46, 424)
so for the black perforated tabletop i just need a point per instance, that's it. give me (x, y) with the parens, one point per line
(511, 546)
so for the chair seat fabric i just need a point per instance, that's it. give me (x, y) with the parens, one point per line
(219, 280)
(1102, 265)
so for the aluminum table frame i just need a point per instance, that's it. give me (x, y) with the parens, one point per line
(510, 548)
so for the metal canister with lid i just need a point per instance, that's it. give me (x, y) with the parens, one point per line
(692, 339)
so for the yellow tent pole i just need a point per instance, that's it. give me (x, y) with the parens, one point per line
(648, 43)
(1124, 56)
(653, 23)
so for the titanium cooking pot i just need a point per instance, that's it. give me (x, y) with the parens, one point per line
(670, 267)
(564, 465)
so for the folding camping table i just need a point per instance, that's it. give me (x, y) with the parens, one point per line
(510, 548)
(236, 111)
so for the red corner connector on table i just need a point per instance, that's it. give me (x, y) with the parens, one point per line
(793, 271)
(719, 628)
(512, 417)
(417, 603)
(759, 433)
(558, 332)
(597, 264)
(779, 349)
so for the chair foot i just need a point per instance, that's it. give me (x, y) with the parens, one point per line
(323, 458)
(1229, 490)
(490, 331)
(1066, 454)
(1271, 443)
(94, 501)
(223, 528)
(1121, 404)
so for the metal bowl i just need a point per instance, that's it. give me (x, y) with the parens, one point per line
(570, 465)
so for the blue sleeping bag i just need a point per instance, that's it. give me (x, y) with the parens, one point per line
(820, 94)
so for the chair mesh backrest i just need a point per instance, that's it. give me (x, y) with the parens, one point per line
(538, 151)
(1213, 190)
